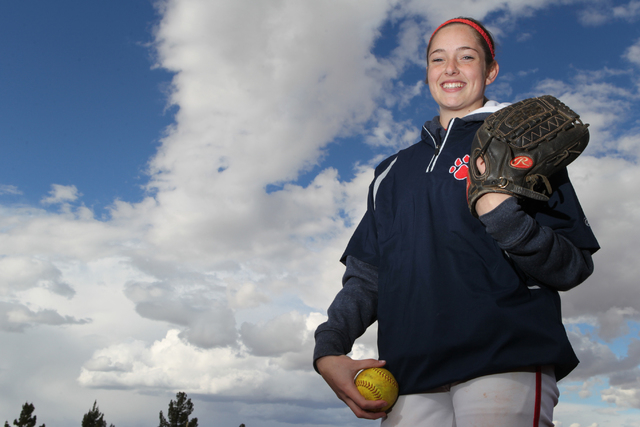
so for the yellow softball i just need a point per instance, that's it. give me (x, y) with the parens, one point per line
(378, 384)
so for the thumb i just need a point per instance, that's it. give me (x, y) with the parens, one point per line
(370, 363)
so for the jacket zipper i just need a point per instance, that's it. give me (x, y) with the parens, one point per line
(439, 148)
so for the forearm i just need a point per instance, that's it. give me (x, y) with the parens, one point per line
(540, 252)
(352, 311)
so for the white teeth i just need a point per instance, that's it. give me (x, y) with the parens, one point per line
(452, 85)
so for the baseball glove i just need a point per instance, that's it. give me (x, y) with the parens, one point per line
(522, 146)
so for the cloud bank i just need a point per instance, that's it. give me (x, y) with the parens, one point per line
(214, 283)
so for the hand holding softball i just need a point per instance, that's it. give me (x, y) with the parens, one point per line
(378, 384)
(339, 373)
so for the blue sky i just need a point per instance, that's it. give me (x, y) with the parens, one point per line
(81, 103)
(86, 105)
(179, 179)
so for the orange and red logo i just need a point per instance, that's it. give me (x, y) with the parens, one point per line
(521, 162)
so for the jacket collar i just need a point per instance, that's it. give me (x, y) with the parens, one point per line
(437, 132)
(485, 111)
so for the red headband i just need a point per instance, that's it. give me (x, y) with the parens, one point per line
(473, 25)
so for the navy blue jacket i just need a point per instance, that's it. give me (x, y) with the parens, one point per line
(456, 297)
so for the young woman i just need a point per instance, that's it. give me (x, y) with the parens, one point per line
(468, 308)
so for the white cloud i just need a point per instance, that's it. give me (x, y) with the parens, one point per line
(593, 16)
(214, 246)
(632, 54)
(61, 194)
(603, 177)
(523, 37)
(246, 295)
(171, 363)
(597, 359)
(17, 318)
(280, 335)
(573, 414)
(240, 277)
(629, 12)
(389, 132)
(622, 398)
(19, 273)
(601, 182)
(598, 14)
(613, 322)
(9, 189)
(208, 321)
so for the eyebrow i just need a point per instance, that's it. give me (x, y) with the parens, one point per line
(457, 50)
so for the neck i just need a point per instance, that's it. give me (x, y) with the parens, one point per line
(446, 115)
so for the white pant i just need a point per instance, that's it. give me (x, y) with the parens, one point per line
(512, 399)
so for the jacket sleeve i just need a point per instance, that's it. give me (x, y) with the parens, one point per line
(545, 255)
(352, 311)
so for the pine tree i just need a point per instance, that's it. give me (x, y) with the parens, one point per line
(178, 413)
(26, 418)
(94, 418)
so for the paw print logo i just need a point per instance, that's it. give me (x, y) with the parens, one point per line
(460, 169)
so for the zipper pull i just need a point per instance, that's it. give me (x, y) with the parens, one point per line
(433, 158)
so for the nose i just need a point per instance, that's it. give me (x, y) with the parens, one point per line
(452, 68)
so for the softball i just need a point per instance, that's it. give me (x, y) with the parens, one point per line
(378, 384)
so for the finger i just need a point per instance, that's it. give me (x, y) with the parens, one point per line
(373, 405)
(352, 394)
(369, 414)
(480, 164)
(368, 363)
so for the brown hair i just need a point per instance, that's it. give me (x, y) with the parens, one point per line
(483, 36)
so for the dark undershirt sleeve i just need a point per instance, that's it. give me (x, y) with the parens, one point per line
(546, 256)
(352, 311)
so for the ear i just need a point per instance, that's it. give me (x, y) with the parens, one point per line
(492, 73)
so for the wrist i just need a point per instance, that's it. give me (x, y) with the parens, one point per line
(326, 361)
(489, 202)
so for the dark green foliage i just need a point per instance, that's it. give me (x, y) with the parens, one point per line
(94, 418)
(27, 419)
(178, 413)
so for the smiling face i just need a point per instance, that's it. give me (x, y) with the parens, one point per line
(456, 71)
